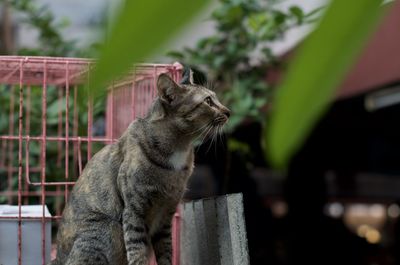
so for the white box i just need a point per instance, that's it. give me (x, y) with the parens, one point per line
(31, 235)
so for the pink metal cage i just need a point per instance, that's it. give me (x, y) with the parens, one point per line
(50, 127)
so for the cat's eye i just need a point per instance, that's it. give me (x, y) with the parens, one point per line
(208, 101)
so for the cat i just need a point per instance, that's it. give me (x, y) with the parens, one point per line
(121, 208)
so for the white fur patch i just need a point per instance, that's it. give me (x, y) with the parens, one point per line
(178, 159)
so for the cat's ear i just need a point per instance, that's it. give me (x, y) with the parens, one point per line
(168, 90)
(187, 76)
(193, 76)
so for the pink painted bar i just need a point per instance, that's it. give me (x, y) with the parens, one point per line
(64, 80)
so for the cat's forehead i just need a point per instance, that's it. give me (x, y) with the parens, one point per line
(200, 90)
(196, 93)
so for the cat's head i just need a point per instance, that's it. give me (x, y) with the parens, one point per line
(193, 109)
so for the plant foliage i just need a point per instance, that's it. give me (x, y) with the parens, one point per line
(316, 72)
(238, 55)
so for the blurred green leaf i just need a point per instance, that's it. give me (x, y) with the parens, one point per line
(54, 108)
(315, 12)
(298, 13)
(316, 71)
(140, 29)
(228, 55)
(280, 17)
(237, 146)
(257, 20)
(176, 55)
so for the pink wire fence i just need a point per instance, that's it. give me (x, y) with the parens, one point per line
(51, 128)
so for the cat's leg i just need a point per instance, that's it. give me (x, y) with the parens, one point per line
(100, 242)
(86, 252)
(162, 242)
(135, 231)
(135, 236)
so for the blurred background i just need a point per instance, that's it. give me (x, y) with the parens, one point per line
(338, 202)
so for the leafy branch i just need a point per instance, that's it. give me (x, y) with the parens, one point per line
(238, 55)
(51, 41)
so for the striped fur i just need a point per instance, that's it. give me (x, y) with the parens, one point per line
(121, 207)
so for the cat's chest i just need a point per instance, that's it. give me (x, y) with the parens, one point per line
(179, 160)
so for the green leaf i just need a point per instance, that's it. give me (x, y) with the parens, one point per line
(257, 20)
(317, 70)
(297, 12)
(141, 28)
(315, 12)
(279, 17)
(54, 108)
(234, 13)
(259, 102)
(218, 61)
(176, 55)
(238, 146)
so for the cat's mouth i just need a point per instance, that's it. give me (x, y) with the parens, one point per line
(221, 120)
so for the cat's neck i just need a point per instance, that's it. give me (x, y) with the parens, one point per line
(163, 136)
(162, 142)
(170, 135)
(162, 128)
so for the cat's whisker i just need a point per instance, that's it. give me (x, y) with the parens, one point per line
(213, 138)
(210, 131)
(199, 129)
(209, 145)
(216, 140)
(222, 135)
(206, 132)
(204, 129)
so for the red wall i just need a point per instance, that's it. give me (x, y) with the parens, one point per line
(379, 63)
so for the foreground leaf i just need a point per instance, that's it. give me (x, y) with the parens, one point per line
(141, 28)
(317, 70)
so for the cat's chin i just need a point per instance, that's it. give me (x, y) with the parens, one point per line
(221, 120)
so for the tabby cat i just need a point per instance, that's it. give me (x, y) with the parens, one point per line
(121, 208)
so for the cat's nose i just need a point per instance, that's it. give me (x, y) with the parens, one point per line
(227, 112)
